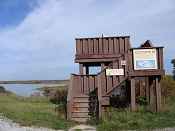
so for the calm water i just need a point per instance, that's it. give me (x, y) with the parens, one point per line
(23, 89)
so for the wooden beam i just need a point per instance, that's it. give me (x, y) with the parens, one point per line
(152, 94)
(146, 73)
(102, 66)
(133, 95)
(81, 69)
(147, 89)
(94, 60)
(87, 69)
(158, 94)
(99, 95)
(70, 98)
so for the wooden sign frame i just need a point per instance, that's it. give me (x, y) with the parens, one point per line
(145, 59)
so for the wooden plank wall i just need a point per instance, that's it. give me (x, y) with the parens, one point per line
(160, 58)
(108, 83)
(84, 84)
(98, 46)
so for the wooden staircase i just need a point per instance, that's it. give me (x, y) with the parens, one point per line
(80, 108)
(107, 52)
(82, 85)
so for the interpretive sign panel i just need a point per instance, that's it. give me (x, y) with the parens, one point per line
(145, 59)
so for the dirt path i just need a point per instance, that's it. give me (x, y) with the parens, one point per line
(83, 128)
(8, 125)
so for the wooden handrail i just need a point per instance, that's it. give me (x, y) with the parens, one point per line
(118, 85)
(83, 75)
(110, 64)
(69, 98)
(70, 88)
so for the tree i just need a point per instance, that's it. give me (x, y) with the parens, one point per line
(173, 62)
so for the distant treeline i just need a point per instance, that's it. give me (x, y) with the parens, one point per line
(35, 82)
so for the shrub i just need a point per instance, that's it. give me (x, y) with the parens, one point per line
(141, 100)
(58, 96)
(46, 91)
(167, 87)
(2, 89)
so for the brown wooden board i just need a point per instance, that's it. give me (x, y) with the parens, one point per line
(109, 83)
(106, 46)
(115, 78)
(91, 46)
(78, 47)
(116, 46)
(122, 47)
(133, 95)
(91, 83)
(101, 46)
(111, 46)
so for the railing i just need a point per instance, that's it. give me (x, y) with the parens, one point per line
(79, 85)
(84, 84)
(101, 47)
(108, 83)
(69, 98)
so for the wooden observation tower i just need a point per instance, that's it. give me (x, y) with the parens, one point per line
(122, 70)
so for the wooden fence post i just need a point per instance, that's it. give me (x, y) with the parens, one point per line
(69, 98)
(147, 90)
(152, 94)
(133, 95)
(158, 94)
(81, 69)
(99, 95)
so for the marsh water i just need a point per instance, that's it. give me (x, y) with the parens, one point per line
(24, 89)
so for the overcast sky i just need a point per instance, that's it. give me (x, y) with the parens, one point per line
(37, 36)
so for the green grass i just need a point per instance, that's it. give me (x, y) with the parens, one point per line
(40, 112)
(32, 112)
(124, 119)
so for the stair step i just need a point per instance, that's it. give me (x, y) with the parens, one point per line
(80, 109)
(81, 96)
(81, 120)
(81, 100)
(82, 114)
(75, 104)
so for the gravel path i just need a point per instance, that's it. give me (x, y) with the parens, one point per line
(8, 125)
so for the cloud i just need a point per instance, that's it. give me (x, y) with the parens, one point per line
(42, 46)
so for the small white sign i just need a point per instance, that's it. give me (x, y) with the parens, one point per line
(123, 62)
(114, 72)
